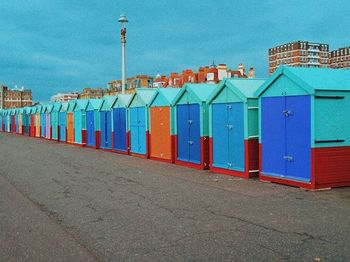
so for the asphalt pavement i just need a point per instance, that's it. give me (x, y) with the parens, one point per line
(64, 203)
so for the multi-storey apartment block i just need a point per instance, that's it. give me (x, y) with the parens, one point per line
(14, 98)
(299, 54)
(340, 58)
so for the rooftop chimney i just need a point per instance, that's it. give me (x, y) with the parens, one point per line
(251, 73)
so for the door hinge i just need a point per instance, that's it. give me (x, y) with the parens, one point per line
(288, 158)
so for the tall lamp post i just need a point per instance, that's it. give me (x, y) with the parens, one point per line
(123, 22)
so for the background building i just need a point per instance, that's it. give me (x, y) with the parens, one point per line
(64, 97)
(115, 86)
(205, 74)
(340, 58)
(299, 54)
(15, 98)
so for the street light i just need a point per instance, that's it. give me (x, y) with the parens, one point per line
(123, 22)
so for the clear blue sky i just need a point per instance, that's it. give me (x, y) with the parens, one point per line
(56, 46)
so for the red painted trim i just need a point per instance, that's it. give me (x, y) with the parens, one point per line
(170, 161)
(83, 136)
(228, 172)
(173, 145)
(138, 155)
(66, 134)
(58, 133)
(331, 167)
(148, 146)
(50, 133)
(260, 159)
(120, 152)
(128, 141)
(112, 139)
(98, 139)
(188, 164)
(286, 182)
(205, 152)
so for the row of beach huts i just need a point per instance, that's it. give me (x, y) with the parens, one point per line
(292, 128)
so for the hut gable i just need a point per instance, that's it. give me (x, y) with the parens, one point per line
(81, 105)
(108, 102)
(94, 104)
(142, 97)
(164, 97)
(194, 93)
(122, 101)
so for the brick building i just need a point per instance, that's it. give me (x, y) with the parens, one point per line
(64, 97)
(340, 58)
(115, 86)
(299, 54)
(206, 74)
(15, 98)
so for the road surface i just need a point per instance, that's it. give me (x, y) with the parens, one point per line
(65, 203)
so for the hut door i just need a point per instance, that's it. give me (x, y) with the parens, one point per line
(134, 130)
(273, 136)
(103, 128)
(141, 129)
(298, 144)
(220, 135)
(48, 125)
(108, 129)
(194, 137)
(164, 113)
(183, 151)
(286, 128)
(90, 128)
(156, 138)
(235, 136)
(43, 128)
(62, 126)
(119, 120)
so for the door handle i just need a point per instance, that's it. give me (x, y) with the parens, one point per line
(190, 122)
(287, 112)
(229, 126)
(190, 142)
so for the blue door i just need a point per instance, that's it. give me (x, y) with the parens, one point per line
(103, 129)
(26, 124)
(119, 122)
(106, 130)
(195, 136)
(183, 151)
(17, 122)
(109, 130)
(298, 140)
(134, 131)
(43, 124)
(138, 130)
(220, 135)
(90, 128)
(141, 113)
(236, 136)
(63, 126)
(285, 127)
(188, 133)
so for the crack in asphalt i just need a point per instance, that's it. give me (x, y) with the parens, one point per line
(306, 236)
